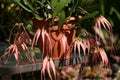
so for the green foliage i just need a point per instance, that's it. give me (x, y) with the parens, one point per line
(24, 10)
(61, 8)
(90, 15)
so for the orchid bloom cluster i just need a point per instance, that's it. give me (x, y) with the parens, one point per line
(43, 36)
(45, 41)
(19, 42)
(99, 53)
(47, 62)
(88, 43)
(47, 65)
(81, 44)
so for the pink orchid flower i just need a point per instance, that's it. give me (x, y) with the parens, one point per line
(84, 44)
(45, 40)
(19, 43)
(47, 65)
(12, 49)
(101, 21)
(100, 54)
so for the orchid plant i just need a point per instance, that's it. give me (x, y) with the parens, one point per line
(86, 41)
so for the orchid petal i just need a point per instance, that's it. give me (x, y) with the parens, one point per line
(16, 54)
(87, 45)
(8, 50)
(98, 24)
(64, 41)
(99, 33)
(102, 22)
(104, 56)
(36, 36)
(45, 61)
(23, 45)
(48, 70)
(83, 47)
(106, 22)
(43, 40)
(53, 68)
(75, 48)
(49, 41)
(78, 47)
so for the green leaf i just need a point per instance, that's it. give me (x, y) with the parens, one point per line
(23, 6)
(40, 3)
(59, 7)
(73, 7)
(90, 15)
(92, 8)
(54, 3)
(38, 17)
(102, 7)
(115, 11)
(61, 18)
(27, 3)
(111, 21)
(85, 2)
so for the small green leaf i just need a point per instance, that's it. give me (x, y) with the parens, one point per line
(61, 18)
(38, 17)
(27, 3)
(91, 15)
(23, 6)
(85, 2)
(73, 7)
(115, 11)
(111, 22)
(54, 3)
(102, 7)
(59, 7)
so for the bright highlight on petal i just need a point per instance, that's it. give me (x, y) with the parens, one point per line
(47, 65)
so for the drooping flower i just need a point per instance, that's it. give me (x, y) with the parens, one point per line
(100, 54)
(19, 43)
(44, 37)
(47, 65)
(12, 49)
(84, 45)
(36, 36)
(100, 22)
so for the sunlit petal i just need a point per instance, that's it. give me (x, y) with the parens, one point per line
(53, 68)
(24, 46)
(43, 40)
(48, 70)
(83, 47)
(44, 63)
(16, 54)
(108, 25)
(75, 45)
(36, 36)
(104, 56)
(78, 47)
